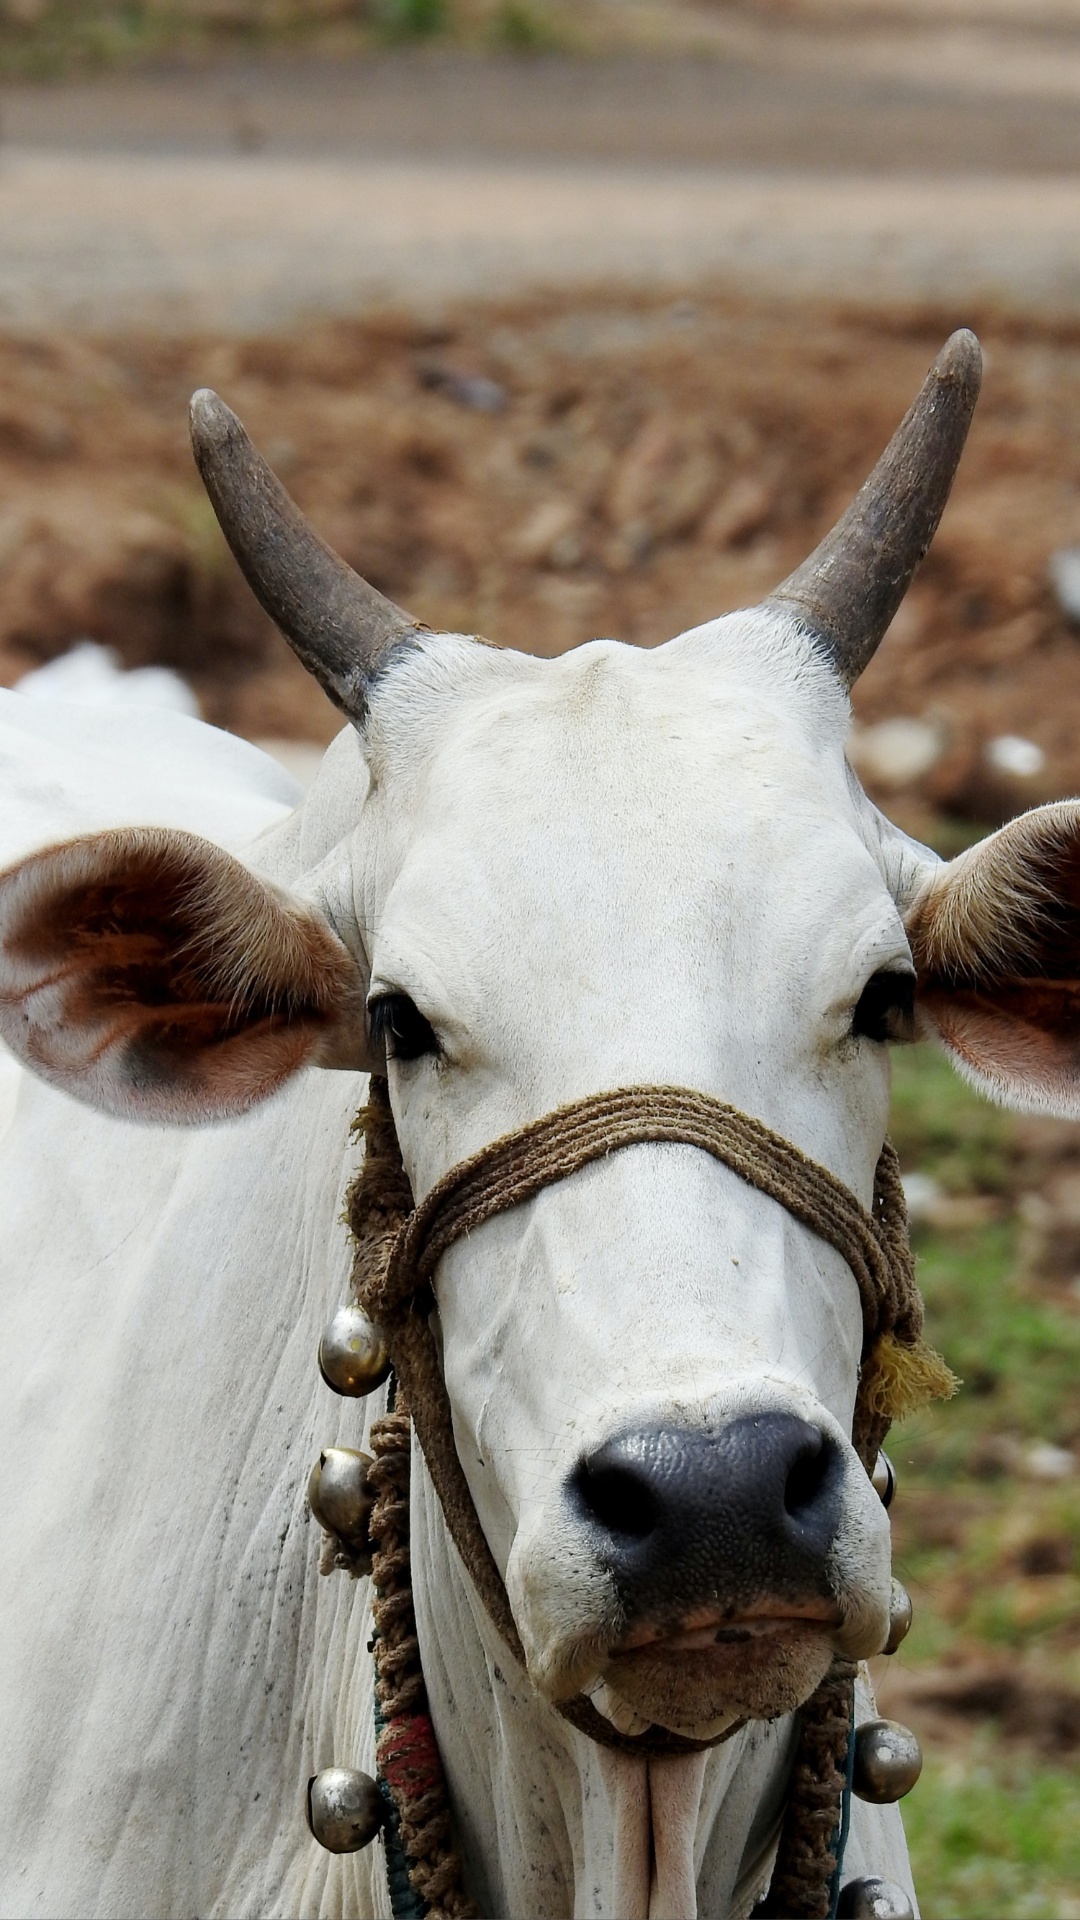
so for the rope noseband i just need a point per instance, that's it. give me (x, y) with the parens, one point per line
(398, 1249)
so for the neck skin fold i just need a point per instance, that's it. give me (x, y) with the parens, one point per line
(549, 1823)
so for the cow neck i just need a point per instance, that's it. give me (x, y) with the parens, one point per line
(398, 1247)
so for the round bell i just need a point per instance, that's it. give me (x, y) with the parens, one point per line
(900, 1617)
(883, 1480)
(352, 1354)
(344, 1809)
(339, 1494)
(874, 1899)
(888, 1761)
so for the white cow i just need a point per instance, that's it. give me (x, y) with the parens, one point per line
(551, 878)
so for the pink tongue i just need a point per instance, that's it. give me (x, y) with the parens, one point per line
(675, 1797)
(656, 1818)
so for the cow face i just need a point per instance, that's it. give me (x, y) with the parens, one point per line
(559, 878)
(626, 868)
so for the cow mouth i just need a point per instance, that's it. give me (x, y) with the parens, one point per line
(712, 1627)
(699, 1674)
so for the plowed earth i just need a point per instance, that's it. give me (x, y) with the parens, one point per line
(633, 468)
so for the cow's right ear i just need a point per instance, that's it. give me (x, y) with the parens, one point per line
(995, 936)
(152, 976)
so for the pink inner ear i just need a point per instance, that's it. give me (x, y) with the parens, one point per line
(1023, 1032)
(151, 974)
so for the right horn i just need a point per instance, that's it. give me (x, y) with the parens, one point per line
(852, 584)
(336, 624)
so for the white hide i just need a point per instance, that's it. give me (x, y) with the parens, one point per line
(89, 675)
(562, 863)
(66, 769)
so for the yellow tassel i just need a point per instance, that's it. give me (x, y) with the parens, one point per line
(898, 1380)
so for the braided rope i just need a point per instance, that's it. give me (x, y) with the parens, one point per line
(397, 1252)
(806, 1859)
(406, 1752)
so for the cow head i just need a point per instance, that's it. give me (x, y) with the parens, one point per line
(558, 878)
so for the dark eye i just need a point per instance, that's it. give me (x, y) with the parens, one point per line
(886, 1008)
(399, 1026)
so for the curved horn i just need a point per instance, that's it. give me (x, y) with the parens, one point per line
(852, 584)
(336, 624)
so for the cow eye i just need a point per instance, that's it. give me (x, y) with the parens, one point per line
(397, 1024)
(886, 1008)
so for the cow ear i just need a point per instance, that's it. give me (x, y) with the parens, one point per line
(153, 976)
(995, 936)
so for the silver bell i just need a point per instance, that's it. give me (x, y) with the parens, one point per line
(883, 1480)
(888, 1761)
(339, 1495)
(900, 1617)
(873, 1899)
(352, 1354)
(344, 1809)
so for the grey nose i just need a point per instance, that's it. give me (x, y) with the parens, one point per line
(684, 1517)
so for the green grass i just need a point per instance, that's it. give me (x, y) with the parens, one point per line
(996, 1839)
(941, 1126)
(991, 1556)
(47, 39)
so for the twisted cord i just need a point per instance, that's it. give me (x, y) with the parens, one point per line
(397, 1252)
(406, 1752)
(801, 1884)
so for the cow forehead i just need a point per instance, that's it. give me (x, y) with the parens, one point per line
(625, 794)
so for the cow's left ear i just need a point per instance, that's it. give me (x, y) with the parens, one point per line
(153, 976)
(995, 936)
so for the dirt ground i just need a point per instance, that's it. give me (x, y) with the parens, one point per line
(548, 472)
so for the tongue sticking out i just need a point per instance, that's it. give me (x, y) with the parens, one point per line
(656, 1804)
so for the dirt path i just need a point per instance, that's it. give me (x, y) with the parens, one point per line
(939, 164)
(188, 242)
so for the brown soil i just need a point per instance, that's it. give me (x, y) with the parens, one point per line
(947, 1704)
(645, 465)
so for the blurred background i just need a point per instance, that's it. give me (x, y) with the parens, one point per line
(563, 320)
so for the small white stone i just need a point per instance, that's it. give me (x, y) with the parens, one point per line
(896, 752)
(1010, 753)
(1065, 578)
(922, 1194)
(1043, 1461)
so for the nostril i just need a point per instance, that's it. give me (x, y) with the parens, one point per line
(807, 1475)
(618, 1499)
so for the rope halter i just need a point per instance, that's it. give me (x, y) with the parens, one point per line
(398, 1248)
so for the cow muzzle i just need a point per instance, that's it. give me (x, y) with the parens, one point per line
(693, 1576)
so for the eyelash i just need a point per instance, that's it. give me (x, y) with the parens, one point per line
(397, 1024)
(886, 1008)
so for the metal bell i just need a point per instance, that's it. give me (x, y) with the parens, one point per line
(344, 1809)
(339, 1495)
(352, 1354)
(883, 1479)
(900, 1617)
(888, 1761)
(874, 1899)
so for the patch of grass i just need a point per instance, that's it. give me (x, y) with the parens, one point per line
(45, 39)
(518, 27)
(1018, 1354)
(996, 1837)
(943, 1126)
(411, 19)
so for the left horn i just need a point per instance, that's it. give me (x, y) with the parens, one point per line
(336, 624)
(852, 584)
